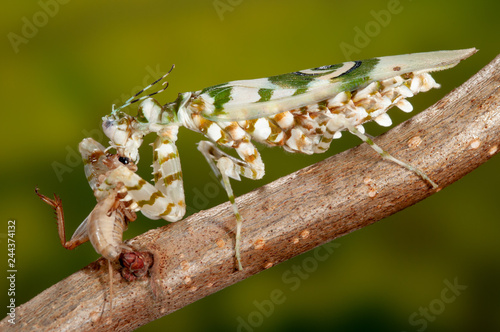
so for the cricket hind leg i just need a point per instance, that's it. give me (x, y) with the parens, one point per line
(80, 236)
(385, 155)
(110, 273)
(225, 166)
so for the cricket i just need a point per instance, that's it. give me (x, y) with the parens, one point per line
(106, 223)
(302, 112)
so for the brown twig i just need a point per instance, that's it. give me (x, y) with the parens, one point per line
(284, 218)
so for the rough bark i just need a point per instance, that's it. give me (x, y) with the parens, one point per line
(194, 258)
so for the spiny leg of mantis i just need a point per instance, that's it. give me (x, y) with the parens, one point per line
(225, 166)
(385, 155)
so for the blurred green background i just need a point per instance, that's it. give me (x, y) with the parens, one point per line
(63, 64)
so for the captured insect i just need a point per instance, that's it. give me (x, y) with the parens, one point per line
(301, 111)
(105, 225)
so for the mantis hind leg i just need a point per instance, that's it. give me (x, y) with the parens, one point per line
(385, 155)
(225, 166)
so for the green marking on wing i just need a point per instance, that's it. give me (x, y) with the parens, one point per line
(291, 81)
(300, 80)
(299, 91)
(357, 77)
(213, 90)
(265, 94)
(221, 94)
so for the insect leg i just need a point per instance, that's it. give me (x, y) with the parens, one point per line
(385, 155)
(166, 200)
(329, 134)
(80, 236)
(225, 166)
(110, 272)
(167, 172)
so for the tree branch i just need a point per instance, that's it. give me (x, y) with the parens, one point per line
(194, 258)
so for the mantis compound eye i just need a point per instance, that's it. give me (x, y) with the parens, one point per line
(124, 160)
